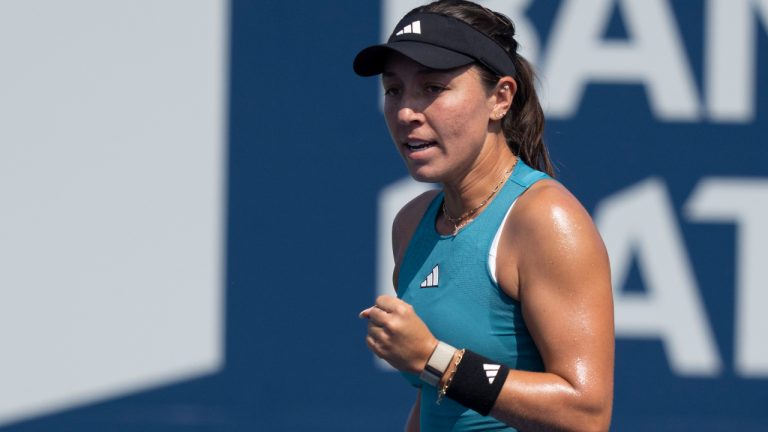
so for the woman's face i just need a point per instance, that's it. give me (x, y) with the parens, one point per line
(438, 119)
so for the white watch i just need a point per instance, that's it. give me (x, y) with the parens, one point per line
(437, 364)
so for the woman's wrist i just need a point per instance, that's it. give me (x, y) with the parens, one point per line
(451, 369)
(437, 363)
(473, 381)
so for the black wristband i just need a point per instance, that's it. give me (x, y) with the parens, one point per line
(477, 382)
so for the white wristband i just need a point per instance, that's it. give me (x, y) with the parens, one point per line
(437, 364)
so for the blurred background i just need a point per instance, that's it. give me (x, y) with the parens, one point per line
(195, 199)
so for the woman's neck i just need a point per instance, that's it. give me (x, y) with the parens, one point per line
(472, 192)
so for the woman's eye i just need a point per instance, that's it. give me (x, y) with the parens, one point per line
(391, 91)
(434, 88)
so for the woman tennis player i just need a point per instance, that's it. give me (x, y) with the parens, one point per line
(503, 317)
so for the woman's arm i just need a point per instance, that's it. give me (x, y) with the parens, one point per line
(565, 291)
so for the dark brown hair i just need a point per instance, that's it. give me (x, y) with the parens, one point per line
(523, 126)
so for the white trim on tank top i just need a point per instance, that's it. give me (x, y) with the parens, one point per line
(492, 252)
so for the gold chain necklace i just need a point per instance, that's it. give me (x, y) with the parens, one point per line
(461, 221)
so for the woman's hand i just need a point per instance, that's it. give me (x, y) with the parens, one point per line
(397, 335)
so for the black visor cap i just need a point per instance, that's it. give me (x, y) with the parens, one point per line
(437, 42)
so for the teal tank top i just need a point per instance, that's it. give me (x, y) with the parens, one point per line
(448, 281)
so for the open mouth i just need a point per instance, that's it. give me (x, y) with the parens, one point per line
(419, 145)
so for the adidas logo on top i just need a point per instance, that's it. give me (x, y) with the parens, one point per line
(491, 370)
(432, 279)
(414, 27)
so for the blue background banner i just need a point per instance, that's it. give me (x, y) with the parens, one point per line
(656, 121)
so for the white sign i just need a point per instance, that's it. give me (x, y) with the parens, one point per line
(111, 189)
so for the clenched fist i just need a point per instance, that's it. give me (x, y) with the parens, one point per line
(397, 335)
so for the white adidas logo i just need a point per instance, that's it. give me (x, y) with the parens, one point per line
(414, 27)
(491, 370)
(432, 280)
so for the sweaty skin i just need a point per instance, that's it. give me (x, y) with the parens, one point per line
(550, 257)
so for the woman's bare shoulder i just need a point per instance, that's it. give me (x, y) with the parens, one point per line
(408, 219)
(416, 207)
(558, 236)
(548, 204)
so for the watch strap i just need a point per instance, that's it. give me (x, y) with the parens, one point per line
(437, 364)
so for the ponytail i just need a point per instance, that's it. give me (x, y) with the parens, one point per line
(523, 126)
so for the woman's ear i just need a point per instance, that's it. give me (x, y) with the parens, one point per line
(504, 93)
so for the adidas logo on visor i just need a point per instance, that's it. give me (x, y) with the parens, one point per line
(414, 27)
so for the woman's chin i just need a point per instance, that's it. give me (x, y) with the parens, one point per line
(424, 176)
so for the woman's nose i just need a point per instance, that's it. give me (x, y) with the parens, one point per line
(407, 114)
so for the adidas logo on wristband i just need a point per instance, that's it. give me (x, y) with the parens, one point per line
(491, 370)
